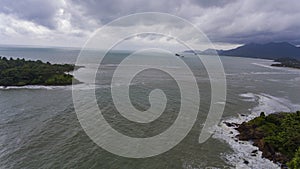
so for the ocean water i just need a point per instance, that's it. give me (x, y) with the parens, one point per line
(39, 127)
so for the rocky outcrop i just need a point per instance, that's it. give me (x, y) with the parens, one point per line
(251, 133)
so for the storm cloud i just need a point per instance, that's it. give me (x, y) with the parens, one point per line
(65, 22)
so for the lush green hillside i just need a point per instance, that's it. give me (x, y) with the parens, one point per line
(19, 72)
(276, 135)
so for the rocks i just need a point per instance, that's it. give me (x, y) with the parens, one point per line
(251, 132)
(254, 151)
(276, 136)
(246, 162)
(231, 124)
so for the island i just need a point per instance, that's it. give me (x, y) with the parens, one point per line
(287, 62)
(21, 72)
(276, 135)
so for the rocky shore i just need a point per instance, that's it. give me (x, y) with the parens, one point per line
(276, 135)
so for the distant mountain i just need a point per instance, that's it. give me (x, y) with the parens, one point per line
(265, 51)
(193, 51)
(205, 52)
(210, 52)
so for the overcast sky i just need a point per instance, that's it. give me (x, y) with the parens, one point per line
(227, 23)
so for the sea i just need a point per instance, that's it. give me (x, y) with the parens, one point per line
(39, 127)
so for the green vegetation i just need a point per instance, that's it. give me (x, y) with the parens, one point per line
(19, 72)
(287, 62)
(295, 162)
(276, 135)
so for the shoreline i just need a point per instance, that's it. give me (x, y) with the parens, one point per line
(287, 62)
(244, 154)
(264, 132)
(40, 86)
(21, 72)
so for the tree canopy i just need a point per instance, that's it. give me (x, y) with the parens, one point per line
(20, 72)
(277, 136)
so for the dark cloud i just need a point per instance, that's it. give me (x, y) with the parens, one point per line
(212, 3)
(228, 21)
(224, 21)
(109, 10)
(253, 21)
(39, 11)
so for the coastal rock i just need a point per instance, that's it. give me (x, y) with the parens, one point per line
(254, 151)
(246, 162)
(254, 132)
(249, 132)
(231, 124)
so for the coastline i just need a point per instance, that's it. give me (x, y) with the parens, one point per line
(21, 72)
(38, 86)
(275, 135)
(245, 154)
(287, 62)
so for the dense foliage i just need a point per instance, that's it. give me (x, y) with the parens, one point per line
(281, 132)
(20, 72)
(295, 162)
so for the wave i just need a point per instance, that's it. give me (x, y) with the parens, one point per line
(261, 73)
(289, 72)
(84, 86)
(245, 154)
(266, 66)
(277, 68)
(32, 87)
(69, 87)
(135, 65)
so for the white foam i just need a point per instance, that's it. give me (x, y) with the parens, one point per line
(278, 68)
(32, 87)
(269, 73)
(266, 66)
(243, 149)
(280, 71)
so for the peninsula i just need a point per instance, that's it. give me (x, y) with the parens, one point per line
(21, 72)
(287, 62)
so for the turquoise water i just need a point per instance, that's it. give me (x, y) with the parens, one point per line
(39, 127)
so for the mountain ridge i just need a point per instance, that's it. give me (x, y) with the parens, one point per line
(272, 50)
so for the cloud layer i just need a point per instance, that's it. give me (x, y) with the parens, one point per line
(71, 22)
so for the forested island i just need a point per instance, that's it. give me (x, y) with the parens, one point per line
(276, 135)
(21, 72)
(287, 62)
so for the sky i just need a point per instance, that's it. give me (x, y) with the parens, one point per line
(70, 23)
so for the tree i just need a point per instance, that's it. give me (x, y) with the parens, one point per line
(295, 162)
